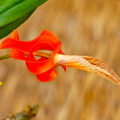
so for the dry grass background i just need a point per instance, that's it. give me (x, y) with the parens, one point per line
(85, 27)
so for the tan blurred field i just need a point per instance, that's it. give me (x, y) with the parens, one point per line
(85, 27)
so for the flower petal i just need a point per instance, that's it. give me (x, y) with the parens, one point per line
(38, 67)
(47, 76)
(21, 45)
(64, 68)
(26, 45)
(15, 35)
(104, 69)
(17, 47)
(17, 54)
(88, 64)
(46, 32)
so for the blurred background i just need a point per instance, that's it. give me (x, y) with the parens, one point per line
(85, 27)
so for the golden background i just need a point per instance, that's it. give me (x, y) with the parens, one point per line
(85, 27)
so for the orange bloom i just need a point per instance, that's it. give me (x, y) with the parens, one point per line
(44, 66)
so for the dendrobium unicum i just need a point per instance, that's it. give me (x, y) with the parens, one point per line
(44, 65)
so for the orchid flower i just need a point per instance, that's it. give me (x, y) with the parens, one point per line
(43, 54)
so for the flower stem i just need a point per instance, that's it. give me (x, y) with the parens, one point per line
(5, 57)
(46, 55)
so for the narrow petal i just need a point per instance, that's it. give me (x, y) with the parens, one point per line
(88, 64)
(13, 43)
(104, 68)
(64, 68)
(15, 35)
(47, 76)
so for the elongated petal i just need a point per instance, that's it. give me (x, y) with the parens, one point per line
(26, 45)
(88, 64)
(104, 68)
(13, 43)
(47, 76)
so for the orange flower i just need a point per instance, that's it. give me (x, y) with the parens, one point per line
(44, 66)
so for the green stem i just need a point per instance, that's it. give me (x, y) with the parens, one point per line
(46, 55)
(5, 57)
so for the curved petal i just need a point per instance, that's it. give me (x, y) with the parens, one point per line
(26, 45)
(13, 43)
(104, 69)
(88, 64)
(48, 40)
(64, 68)
(47, 76)
(46, 32)
(18, 47)
(38, 67)
(44, 46)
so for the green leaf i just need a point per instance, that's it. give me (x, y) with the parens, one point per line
(9, 27)
(15, 12)
(5, 4)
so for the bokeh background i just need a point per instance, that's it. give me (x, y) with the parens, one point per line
(85, 27)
